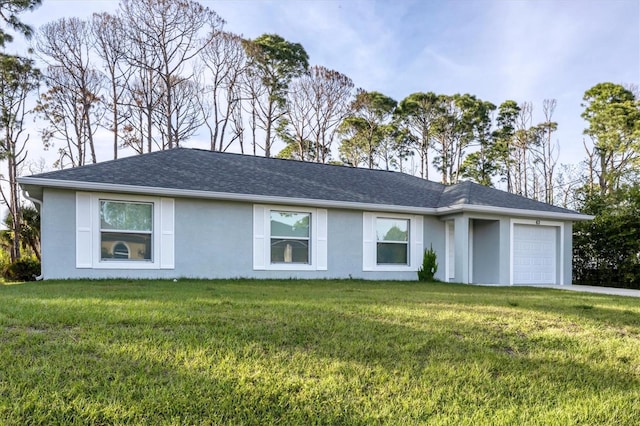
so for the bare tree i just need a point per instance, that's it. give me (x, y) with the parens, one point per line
(252, 92)
(567, 182)
(522, 142)
(170, 34)
(110, 45)
(72, 105)
(295, 126)
(317, 103)
(590, 163)
(225, 59)
(545, 150)
(141, 100)
(186, 115)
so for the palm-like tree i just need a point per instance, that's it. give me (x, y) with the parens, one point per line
(29, 231)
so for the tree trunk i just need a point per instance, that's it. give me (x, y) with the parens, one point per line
(14, 207)
(267, 139)
(114, 93)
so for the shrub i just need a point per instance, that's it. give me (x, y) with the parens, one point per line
(25, 269)
(605, 250)
(5, 261)
(429, 266)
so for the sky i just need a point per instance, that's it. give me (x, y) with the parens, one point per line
(524, 50)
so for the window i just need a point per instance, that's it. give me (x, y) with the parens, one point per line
(391, 242)
(392, 236)
(289, 238)
(126, 230)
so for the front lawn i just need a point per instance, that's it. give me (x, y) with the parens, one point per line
(315, 352)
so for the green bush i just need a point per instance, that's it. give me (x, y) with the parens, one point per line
(25, 269)
(429, 266)
(5, 261)
(605, 250)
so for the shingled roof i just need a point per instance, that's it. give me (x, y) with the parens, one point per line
(470, 193)
(194, 170)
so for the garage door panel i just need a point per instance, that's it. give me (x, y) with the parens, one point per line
(534, 256)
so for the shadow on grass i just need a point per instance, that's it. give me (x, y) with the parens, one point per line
(283, 352)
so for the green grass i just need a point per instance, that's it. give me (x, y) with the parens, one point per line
(315, 352)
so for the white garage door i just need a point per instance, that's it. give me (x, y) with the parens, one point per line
(534, 254)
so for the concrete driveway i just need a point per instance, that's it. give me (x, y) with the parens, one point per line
(600, 290)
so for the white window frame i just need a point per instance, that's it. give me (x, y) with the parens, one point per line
(262, 239)
(370, 242)
(88, 237)
(103, 231)
(290, 238)
(406, 243)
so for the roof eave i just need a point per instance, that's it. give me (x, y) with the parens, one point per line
(505, 211)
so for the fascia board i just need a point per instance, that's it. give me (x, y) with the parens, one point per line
(471, 208)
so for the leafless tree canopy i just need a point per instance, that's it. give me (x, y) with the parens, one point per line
(317, 103)
(72, 104)
(164, 39)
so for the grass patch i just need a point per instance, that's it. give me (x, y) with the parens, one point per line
(315, 352)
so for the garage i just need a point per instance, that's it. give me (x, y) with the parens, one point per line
(535, 254)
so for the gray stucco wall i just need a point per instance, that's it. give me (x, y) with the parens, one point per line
(214, 239)
(434, 237)
(505, 251)
(486, 251)
(57, 221)
(568, 253)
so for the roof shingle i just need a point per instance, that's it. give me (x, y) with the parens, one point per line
(201, 170)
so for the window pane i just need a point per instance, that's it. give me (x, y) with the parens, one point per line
(392, 229)
(119, 246)
(290, 224)
(392, 254)
(289, 251)
(126, 216)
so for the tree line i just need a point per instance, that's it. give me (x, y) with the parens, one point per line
(155, 73)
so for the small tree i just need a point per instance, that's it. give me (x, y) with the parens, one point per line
(28, 232)
(429, 266)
